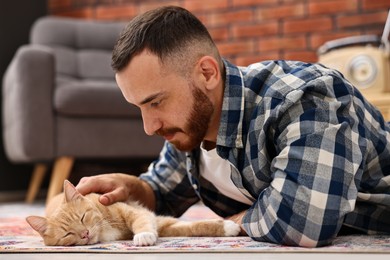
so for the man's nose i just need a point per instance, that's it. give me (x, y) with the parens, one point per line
(151, 123)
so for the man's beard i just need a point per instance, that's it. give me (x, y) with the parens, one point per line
(197, 123)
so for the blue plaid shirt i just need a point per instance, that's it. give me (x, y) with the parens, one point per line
(305, 146)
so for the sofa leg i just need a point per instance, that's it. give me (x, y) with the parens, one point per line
(36, 181)
(61, 171)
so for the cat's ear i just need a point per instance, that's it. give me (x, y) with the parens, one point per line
(70, 192)
(37, 223)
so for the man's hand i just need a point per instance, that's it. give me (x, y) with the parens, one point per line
(237, 218)
(116, 187)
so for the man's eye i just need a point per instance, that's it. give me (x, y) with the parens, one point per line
(155, 103)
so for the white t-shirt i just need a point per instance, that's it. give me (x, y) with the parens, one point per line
(217, 171)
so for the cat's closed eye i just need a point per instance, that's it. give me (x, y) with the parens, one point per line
(86, 217)
(67, 240)
(82, 218)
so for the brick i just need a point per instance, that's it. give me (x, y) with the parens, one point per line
(246, 3)
(254, 30)
(306, 56)
(307, 25)
(234, 48)
(332, 6)
(83, 3)
(201, 5)
(233, 16)
(59, 4)
(85, 13)
(144, 6)
(376, 4)
(203, 17)
(105, 2)
(374, 31)
(283, 11)
(245, 60)
(115, 12)
(350, 21)
(219, 34)
(283, 43)
(294, 1)
(318, 39)
(248, 31)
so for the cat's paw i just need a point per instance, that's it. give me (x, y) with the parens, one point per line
(145, 239)
(231, 228)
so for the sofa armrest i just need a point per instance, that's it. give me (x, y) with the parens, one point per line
(28, 120)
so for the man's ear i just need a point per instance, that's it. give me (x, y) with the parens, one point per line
(210, 70)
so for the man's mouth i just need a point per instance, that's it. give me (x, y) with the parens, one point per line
(167, 134)
(169, 137)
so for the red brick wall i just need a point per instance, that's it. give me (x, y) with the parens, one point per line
(251, 30)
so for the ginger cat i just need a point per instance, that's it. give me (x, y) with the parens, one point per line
(73, 219)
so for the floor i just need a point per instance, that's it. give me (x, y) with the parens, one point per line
(196, 256)
(10, 209)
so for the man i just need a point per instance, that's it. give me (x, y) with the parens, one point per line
(290, 151)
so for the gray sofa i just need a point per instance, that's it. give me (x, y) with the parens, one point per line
(61, 101)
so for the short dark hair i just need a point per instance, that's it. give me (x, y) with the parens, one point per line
(167, 32)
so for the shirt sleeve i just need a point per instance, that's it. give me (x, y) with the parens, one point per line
(169, 180)
(318, 156)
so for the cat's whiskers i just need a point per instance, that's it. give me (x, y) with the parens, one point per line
(95, 226)
(99, 231)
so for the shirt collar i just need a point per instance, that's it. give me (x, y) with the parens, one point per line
(230, 127)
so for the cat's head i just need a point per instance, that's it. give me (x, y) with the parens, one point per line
(76, 221)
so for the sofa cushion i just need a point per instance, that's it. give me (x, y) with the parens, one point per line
(82, 49)
(75, 33)
(91, 98)
(83, 64)
(94, 64)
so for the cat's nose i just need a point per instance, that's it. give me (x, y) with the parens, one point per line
(85, 234)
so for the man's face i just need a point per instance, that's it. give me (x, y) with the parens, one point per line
(172, 106)
(196, 124)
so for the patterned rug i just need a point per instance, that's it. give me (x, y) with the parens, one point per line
(17, 236)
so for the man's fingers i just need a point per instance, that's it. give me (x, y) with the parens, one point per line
(112, 187)
(105, 200)
(85, 186)
(113, 196)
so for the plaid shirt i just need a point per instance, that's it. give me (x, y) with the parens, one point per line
(305, 146)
